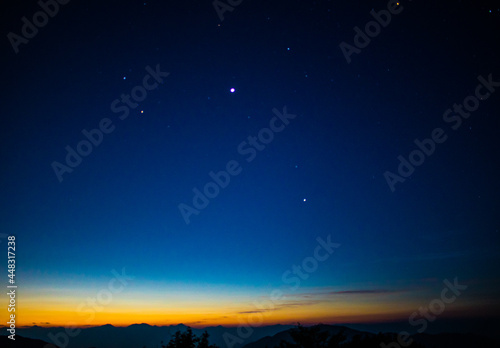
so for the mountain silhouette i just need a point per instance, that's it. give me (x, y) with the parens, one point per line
(144, 335)
(445, 340)
(274, 341)
(139, 335)
(22, 342)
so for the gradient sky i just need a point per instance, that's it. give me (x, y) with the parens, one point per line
(323, 175)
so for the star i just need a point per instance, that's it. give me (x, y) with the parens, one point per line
(232, 90)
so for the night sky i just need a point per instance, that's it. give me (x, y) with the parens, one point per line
(313, 144)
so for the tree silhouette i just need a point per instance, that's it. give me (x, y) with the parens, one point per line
(189, 340)
(312, 337)
(204, 341)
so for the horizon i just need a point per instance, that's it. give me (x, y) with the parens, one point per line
(261, 336)
(291, 323)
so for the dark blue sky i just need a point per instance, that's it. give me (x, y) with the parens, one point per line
(119, 207)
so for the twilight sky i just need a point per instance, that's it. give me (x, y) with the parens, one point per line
(312, 143)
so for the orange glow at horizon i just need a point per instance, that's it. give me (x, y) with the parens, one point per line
(200, 308)
(207, 314)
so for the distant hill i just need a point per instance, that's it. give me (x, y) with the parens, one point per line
(144, 335)
(21, 342)
(139, 335)
(455, 340)
(274, 341)
(446, 340)
(487, 327)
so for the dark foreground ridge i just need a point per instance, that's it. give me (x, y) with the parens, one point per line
(23, 342)
(282, 336)
(333, 336)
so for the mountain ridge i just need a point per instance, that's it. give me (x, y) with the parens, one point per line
(151, 336)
